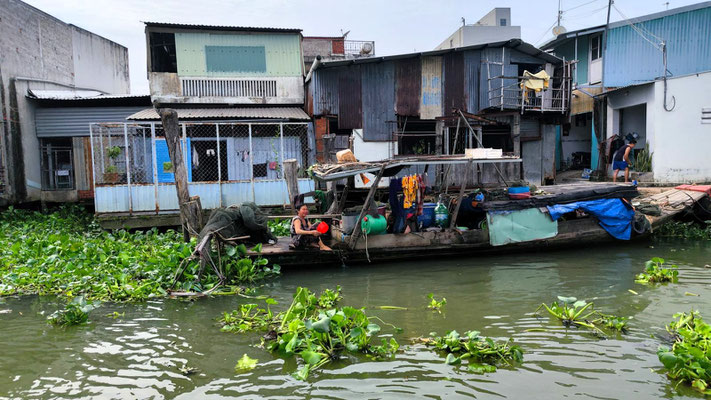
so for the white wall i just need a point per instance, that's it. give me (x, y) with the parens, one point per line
(371, 151)
(679, 141)
(579, 138)
(99, 63)
(470, 35)
(682, 143)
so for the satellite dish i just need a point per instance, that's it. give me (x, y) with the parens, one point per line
(366, 49)
(558, 30)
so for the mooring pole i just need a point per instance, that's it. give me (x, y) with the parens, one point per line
(453, 221)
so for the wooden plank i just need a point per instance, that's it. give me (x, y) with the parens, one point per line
(453, 221)
(292, 185)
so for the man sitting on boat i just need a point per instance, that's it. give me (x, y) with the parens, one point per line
(621, 160)
(304, 235)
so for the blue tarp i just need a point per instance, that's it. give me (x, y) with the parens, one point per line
(614, 215)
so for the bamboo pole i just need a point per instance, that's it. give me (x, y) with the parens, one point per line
(371, 193)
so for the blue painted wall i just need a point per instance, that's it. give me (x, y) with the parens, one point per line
(630, 59)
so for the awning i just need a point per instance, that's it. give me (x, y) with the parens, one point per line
(294, 113)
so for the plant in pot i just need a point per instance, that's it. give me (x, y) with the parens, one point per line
(111, 172)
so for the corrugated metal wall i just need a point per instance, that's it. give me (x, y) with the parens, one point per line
(325, 91)
(431, 96)
(74, 121)
(282, 52)
(630, 59)
(408, 86)
(472, 67)
(454, 91)
(350, 99)
(378, 96)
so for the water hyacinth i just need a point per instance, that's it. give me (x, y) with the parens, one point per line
(66, 253)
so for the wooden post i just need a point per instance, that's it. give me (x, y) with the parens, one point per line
(292, 184)
(453, 220)
(371, 193)
(190, 208)
(342, 199)
(482, 145)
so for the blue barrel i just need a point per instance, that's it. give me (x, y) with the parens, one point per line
(428, 215)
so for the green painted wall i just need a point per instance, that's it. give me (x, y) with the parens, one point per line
(567, 50)
(282, 51)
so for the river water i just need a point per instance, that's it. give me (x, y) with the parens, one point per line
(137, 355)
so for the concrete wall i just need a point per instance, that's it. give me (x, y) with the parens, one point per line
(99, 63)
(470, 35)
(677, 138)
(38, 51)
(493, 18)
(578, 139)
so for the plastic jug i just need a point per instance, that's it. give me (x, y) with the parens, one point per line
(441, 215)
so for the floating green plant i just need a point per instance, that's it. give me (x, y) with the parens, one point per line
(689, 359)
(280, 227)
(245, 364)
(482, 354)
(76, 312)
(312, 329)
(434, 304)
(581, 314)
(66, 252)
(656, 272)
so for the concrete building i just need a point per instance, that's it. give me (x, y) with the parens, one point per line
(334, 48)
(634, 54)
(405, 104)
(493, 27)
(239, 95)
(40, 52)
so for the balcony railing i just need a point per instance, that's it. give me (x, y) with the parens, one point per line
(512, 96)
(360, 48)
(216, 87)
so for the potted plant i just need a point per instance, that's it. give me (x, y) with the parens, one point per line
(168, 167)
(110, 174)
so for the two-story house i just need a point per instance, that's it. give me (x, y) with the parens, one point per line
(409, 104)
(239, 95)
(642, 77)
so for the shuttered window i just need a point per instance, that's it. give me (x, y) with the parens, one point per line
(235, 59)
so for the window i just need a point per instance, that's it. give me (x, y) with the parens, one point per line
(235, 59)
(595, 47)
(57, 164)
(415, 136)
(502, 22)
(162, 52)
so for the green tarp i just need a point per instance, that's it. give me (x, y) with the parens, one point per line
(519, 226)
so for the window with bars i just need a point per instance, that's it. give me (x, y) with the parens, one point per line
(57, 164)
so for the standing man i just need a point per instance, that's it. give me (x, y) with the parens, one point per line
(621, 160)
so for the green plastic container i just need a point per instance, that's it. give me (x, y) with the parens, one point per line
(371, 225)
(441, 215)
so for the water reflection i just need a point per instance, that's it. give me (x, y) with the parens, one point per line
(139, 354)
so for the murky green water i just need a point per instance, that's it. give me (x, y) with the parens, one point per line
(137, 355)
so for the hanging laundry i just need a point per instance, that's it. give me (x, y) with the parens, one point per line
(534, 82)
(409, 190)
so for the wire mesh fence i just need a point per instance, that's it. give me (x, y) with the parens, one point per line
(126, 154)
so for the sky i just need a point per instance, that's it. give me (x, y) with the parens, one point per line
(395, 26)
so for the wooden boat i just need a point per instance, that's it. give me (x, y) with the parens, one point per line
(579, 230)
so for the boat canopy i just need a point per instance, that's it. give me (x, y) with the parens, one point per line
(332, 172)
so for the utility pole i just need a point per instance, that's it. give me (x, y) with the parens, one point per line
(604, 43)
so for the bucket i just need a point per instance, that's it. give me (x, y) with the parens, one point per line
(348, 221)
(428, 215)
(371, 225)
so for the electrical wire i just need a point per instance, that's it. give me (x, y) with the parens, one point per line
(545, 32)
(640, 30)
(581, 5)
(585, 14)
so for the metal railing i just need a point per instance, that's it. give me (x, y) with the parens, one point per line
(228, 87)
(134, 157)
(513, 96)
(362, 48)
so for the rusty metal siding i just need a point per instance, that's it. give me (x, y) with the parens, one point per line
(325, 91)
(350, 99)
(378, 83)
(408, 84)
(431, 89)
(453, 82)
(472, 64)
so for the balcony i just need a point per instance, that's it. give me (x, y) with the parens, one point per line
(171, 88)
(359, 48)
(510, 95)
